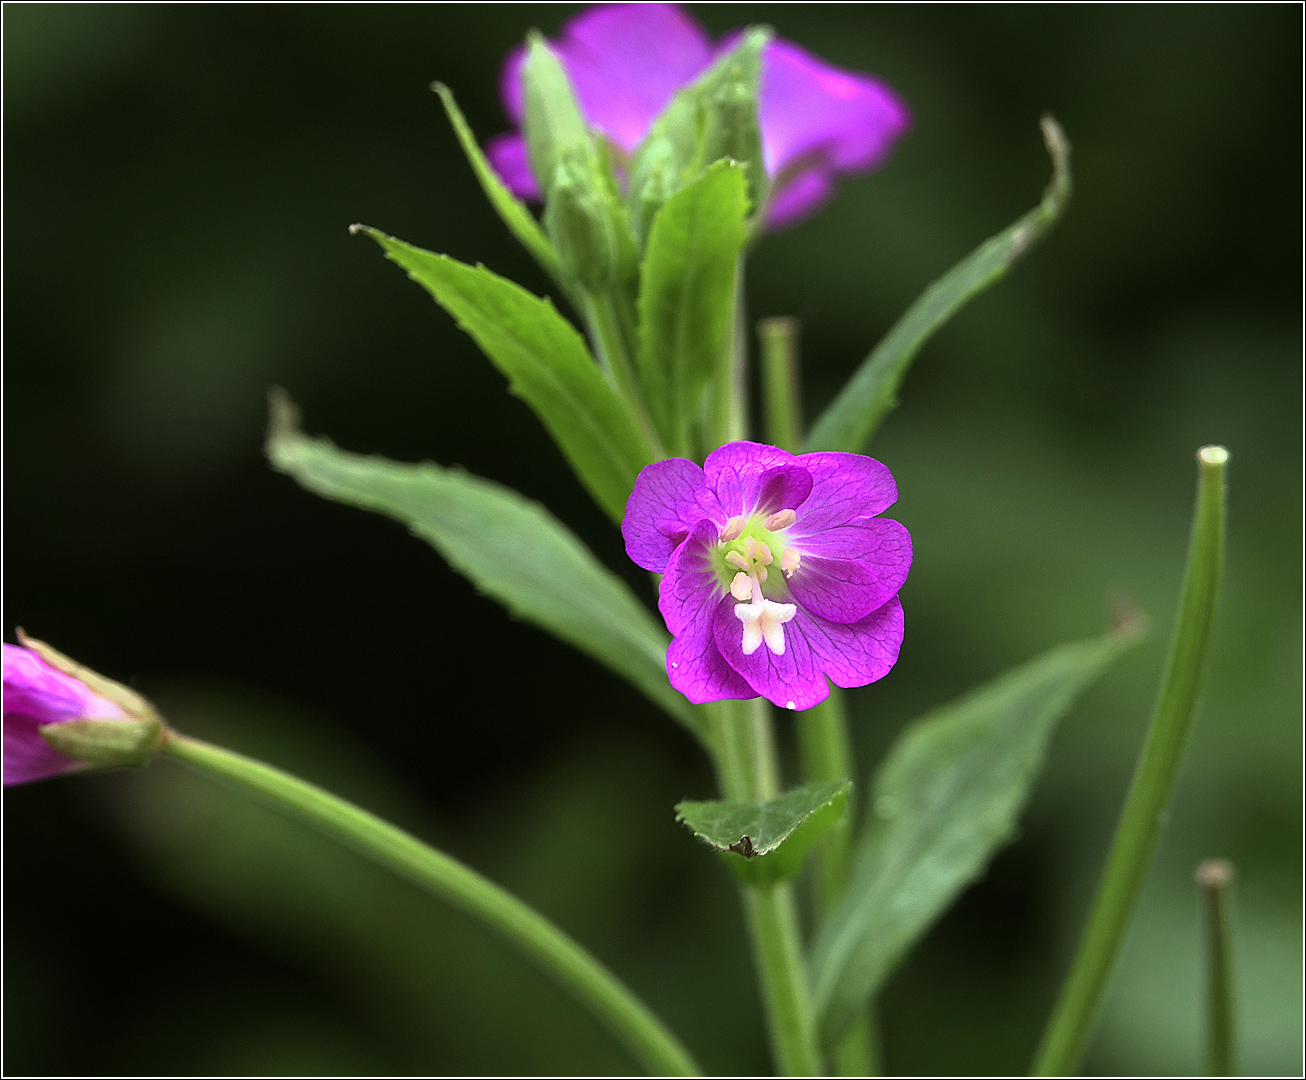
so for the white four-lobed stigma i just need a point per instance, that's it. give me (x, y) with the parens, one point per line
(763, 619)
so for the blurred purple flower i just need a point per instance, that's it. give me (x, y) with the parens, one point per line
(36, 694)
(626, 61)
(777, 572)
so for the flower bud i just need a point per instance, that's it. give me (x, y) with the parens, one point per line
(554, 127)
(579, 222)
(60, 716)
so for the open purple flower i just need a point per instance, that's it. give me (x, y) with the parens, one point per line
(625, 62)
(778, 574)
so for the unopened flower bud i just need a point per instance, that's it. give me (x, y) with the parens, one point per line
(579, 222)
(60, 716)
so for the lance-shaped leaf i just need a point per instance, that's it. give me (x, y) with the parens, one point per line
(772, 837)
(687, 296)
(547, 365)
(945, 799)
(520, 221)
(872, 393)
(509, 547)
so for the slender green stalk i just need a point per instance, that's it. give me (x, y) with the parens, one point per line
(747, 769)
(1154, 777)
(652, 1045)
(729, 409)
(606, 331)
(824, 741)
(784, 416)
(1215, 876)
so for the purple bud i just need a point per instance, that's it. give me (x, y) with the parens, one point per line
(60, 716)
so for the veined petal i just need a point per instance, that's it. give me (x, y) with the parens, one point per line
(696, 667)
(845, 488)
(625, 62)
(29, 757)
(792, 680)
(669, 499)
(847, 572)
(750, 477)
(690, 588)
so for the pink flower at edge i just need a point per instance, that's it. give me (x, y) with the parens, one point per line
(626, 61)
(36, 694)
(778, 573)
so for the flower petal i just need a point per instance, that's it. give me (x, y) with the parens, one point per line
(625, 62)
(792, 680)
(845, 488)
(508, 155)
(751, 478)
(669, 499)
(798, 196)
(689, 598)
(847, 572)
(27, 756)
(810, 110)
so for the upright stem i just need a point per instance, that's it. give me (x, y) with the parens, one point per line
(1215, 876)
(747, 770)
(729, 412)
(652, 1045)
(825, 743)
(1154, 777)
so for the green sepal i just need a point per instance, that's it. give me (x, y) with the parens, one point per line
(552, 122)
(520, 221)
(946, 798)
(509, 547)
(768, 841)
(107, 744)
(579, 221)
(872, 393)
(687, 297)
(547, 364)
(714, 117)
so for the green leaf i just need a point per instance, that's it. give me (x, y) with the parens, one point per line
(509, 547)
(714, 117)
(547, 365)
(872, 393)
(771, 837)
(945, 799)
(520, 221)
(687, 296)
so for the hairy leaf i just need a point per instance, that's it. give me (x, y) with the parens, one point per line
(509, 547)
(945, 799)
(872, 393)
(547, 365)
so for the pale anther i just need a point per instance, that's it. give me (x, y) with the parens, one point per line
(781, 519)
(790, 561)
(731, 530)
(737, 560)
(741, 588)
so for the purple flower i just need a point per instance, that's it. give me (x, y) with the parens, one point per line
(778, 574)
(625, 62)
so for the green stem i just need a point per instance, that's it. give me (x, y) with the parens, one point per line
(652, 1045)
(747, 770)
(729, 412)
(1214, 876)
(784, 417)
(605, 326)
(1154, 777)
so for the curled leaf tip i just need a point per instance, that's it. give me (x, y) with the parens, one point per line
(1212, 455)
(1214, 873)
(283, 419)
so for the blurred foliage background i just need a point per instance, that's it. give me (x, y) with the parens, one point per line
(178, 182)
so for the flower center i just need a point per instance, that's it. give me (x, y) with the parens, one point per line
(746, 548)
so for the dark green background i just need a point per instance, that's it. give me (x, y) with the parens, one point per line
(178, 182)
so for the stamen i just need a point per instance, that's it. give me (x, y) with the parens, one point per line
(741, 588)
(781, 519)
(737, 561)
(731, 530)
(755, 549)
(790, 561)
